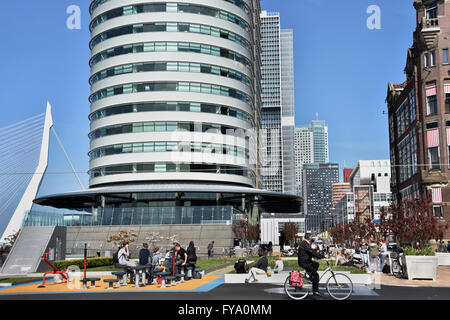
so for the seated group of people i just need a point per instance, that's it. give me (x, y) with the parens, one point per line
(177, 258)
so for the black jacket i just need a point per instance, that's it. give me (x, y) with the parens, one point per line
(262, 263)
(192, 256)
(306, 253)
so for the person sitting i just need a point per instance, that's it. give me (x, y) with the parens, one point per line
(124, 256)
(279, 266)
(145, 256)
(168, 262)
(191, 254)
(156, 259)
(259, 268)
(343, 260)
(180, 258)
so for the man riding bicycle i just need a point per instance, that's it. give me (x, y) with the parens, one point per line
(305, 255)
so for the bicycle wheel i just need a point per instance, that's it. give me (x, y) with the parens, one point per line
(397, 269)
(339, 286)
(297, 293)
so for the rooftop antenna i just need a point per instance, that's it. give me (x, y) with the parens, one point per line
(317, 116)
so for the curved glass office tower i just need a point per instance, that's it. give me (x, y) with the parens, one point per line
(175, 91)
(174, 122)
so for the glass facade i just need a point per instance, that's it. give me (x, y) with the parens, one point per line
(172, 106)
(277, 85)
(169, 126)
(240, 3)
(169, 7)
(171, 167)
(169, 27)
(170, 66)
(170, 47)
(147, 147)
(138, 216)
(318, 180)
(171, 86)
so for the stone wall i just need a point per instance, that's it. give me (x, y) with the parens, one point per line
(95, 237)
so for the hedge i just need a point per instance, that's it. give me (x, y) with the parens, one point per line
(90, 263)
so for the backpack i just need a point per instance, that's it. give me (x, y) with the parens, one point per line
(241, 266)
(296, 279)
(197, 275)
(116, 257)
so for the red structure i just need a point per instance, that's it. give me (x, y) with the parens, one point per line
(64, 274)
(347, 174)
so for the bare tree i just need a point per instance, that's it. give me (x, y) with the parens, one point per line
(290, 231)
(122, 237)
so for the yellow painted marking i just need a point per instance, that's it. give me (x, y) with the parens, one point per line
(76, 286)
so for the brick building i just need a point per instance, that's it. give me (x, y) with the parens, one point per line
(419, 112)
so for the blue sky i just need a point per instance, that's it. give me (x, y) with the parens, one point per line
(341, 72)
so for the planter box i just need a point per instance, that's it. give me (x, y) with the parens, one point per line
(421, 267)
(443, 258)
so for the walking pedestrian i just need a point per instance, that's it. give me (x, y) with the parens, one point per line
(211, 249)
(383, 253)
(448, 246)
(374, 256)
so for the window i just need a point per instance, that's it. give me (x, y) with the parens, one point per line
(433, 58)
(447, 103)
(427, 60)
(437, 211)
(431, 105)
(433, 155)
(445, 56)
(431, 11)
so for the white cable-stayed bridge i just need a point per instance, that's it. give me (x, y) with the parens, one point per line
(24, 151)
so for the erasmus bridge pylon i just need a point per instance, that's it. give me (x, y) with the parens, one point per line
(20, 177)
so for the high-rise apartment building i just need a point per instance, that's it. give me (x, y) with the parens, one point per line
(277, 114)
(175, 119)
(338, 190)
(419, 112)
(310, 146)
(318, 180)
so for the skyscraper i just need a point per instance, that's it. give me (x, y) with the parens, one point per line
(310, 146)
(175, 119)
(173, 92)
(318, 180)
(277, 114)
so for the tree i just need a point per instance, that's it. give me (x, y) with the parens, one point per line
(337, 233)
(11, 239)
(240, 230)
(290, 231)
(253, 232)
(122, 237)
(413, 221)
(155, 237)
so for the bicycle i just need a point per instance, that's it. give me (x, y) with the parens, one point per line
(339, 286)
(398, 269)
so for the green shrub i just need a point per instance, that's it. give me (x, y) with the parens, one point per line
(410, 251)
(90, 263)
